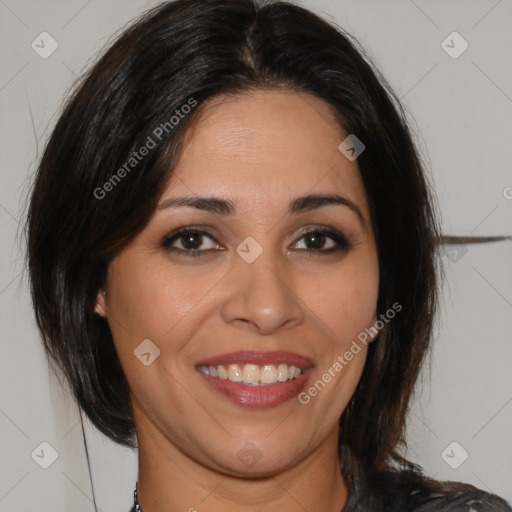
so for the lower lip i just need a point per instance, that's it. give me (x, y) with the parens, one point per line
(259, 396)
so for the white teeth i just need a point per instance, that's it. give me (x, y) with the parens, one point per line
(223, 373)
(235, 373)
(268, 374)
(253, 375)
(282, 372)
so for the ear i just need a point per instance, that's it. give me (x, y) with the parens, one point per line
(373, 334)
(101, 304)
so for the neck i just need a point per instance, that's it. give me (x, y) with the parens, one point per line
(170, 480)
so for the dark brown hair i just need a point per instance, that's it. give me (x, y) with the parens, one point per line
(202, 49)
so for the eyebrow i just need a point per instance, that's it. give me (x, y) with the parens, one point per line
(226, 207)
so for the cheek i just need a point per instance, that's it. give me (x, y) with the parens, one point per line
(142, 303)
(345, 298)
(148, 298)
(346, 303)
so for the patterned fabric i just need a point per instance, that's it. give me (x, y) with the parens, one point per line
(408, 492)
(400, 495)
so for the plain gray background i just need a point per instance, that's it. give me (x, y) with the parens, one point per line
(462, 108)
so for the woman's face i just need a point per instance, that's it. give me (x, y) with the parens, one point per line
(251, 287)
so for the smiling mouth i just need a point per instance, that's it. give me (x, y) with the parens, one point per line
(252, 374)
(255, 378)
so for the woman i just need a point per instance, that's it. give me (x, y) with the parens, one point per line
(233, 260)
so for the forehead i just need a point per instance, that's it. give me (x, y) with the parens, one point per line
(264, 146)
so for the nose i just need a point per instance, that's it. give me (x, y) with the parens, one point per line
(260, 296)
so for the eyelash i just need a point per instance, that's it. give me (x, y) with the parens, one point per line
(337, 237)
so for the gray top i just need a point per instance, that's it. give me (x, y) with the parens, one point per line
(407, 492)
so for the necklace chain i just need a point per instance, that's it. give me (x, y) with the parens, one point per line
(136, 499)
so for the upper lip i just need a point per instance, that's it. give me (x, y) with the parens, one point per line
(257, 357)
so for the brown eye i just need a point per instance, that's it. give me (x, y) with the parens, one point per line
(192, 241)
(189, 242)
(315, 240)
(322, 241)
